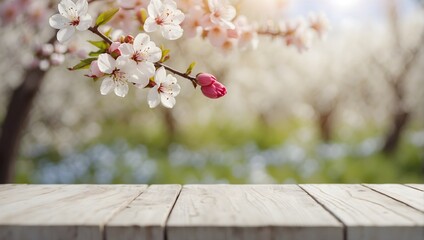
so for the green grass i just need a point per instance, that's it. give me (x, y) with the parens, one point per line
(204, 145)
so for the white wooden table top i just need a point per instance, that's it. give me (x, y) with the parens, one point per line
(206, 212)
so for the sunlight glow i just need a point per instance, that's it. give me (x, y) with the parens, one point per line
(345, 4)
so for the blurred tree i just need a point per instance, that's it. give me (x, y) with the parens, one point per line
(396, 80)
(16, 119)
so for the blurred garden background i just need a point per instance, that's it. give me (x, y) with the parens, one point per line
(350, 109)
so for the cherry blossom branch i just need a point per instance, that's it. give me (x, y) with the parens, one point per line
(272, 33)
(184, 75)
(96, 31)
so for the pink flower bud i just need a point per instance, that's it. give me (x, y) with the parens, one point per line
(114, 48)
(95, 70)
(129, 39)
(210, 87)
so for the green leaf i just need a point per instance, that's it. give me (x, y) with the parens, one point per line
(83, 64)
(165, 54)
(190, 68)
(102, 45)
(96, 54)
(105, 17)
(142, 16)
(108, 32)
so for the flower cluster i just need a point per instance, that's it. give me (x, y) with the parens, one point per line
(216, 20)
(299, 32)
(121, 60)
(72, 16)
(127, 61)
(133, 62)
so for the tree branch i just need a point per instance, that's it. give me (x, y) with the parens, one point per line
(96, 31)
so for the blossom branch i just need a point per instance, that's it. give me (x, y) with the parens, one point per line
(96, 31)
(184, 75)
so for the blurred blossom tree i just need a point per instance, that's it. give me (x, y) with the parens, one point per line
(124, 53)
(407, 56)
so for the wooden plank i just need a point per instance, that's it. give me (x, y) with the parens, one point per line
(410, 196)
(61, 211)
(145, 217)
(417, 186)
(249, 212)
(369, 215)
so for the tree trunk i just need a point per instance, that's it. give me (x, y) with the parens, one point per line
(393, 137)
(16, 120)
(325, 125)
(170, 124)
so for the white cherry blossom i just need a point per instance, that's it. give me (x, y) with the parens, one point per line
(222, 13)
(319, 23)
(245, 33)
(142, 54)
(118, 74)
(217, 35)
(165, 90)
(166, 17)
(194, 21)
(71, 16)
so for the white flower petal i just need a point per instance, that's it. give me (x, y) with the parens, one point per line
(138, 74)
(147, 68)
(140, 81)
(169, 80)
(106, 63)
(212, 4)
(153, 97)
(171, 85)
(85, 22)
(172, 32)
(227, 24)
(65, 34)
(124, 62)
(175, 88)
(107, 85)
(178, 17)
(154, 8)
(139, 78)
(82, 7)
(167, 100)
(154, 53)
(228, 13)
(150, 25)
(68, 9)
(170, 3)
(58, 21)
(141, 41)
(126, 49)
(160, 75)
(121, 89)
(217, 36)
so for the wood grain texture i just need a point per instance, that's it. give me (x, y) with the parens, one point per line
(145, 217)
(369, 215)
(249, 212)
(61, 211)
(417, 186)
(410, 196)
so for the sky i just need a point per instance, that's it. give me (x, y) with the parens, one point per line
(341, 12)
